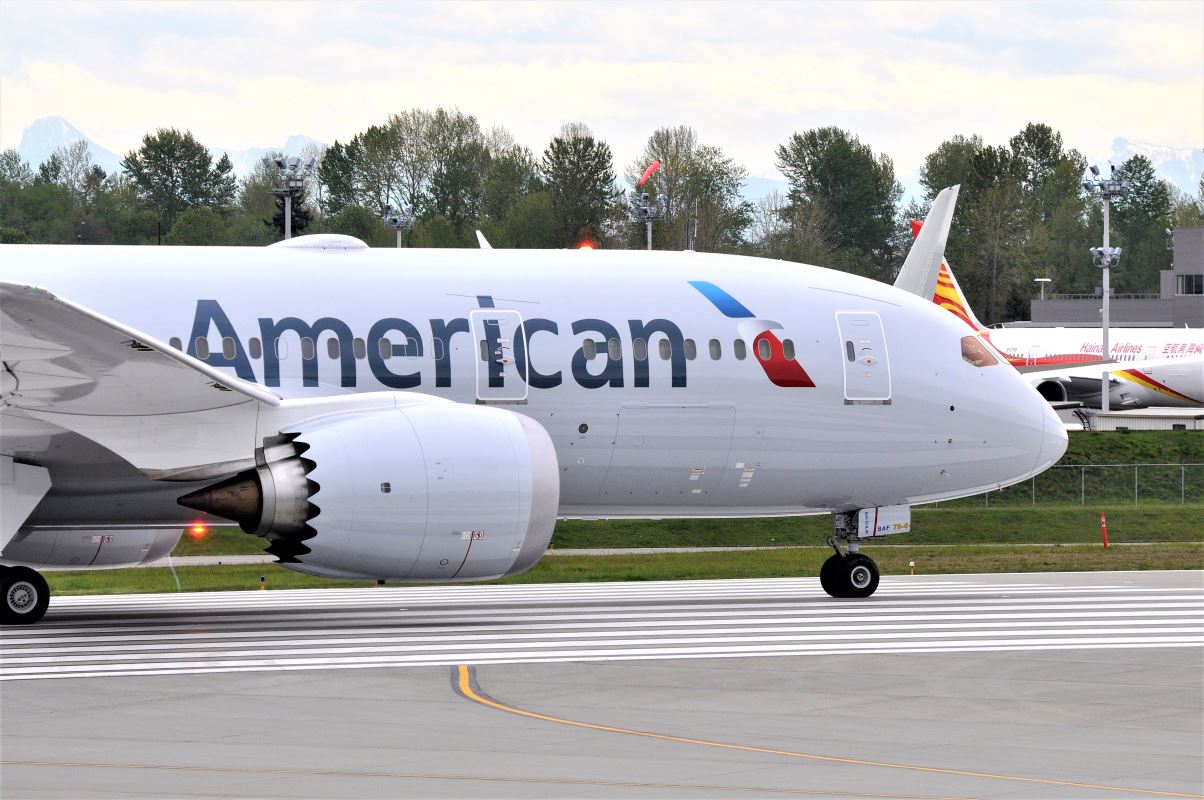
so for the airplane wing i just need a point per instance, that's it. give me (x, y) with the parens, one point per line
(923, 264)
(157, 407)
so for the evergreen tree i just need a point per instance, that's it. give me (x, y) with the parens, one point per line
(579, 174)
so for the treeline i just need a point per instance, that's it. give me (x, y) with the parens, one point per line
(1022, 212)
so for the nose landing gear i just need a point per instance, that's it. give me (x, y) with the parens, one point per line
(847, 574)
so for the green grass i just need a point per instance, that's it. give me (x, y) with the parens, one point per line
(1061, 524)
(935, 559)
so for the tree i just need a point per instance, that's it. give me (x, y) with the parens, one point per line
(361, 223)
(172, 172)
(459, 162)
(578, 173)
(13, 169)
(1188, 210)
(855, 190)
(198, 226)
(531, 223)
(1140, 218)
(700, 187)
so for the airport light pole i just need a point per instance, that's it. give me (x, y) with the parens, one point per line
(1041, 282)
(1106, 257)
(647, 211)
(287, 181)
(397, 220)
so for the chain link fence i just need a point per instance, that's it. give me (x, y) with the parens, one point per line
(1107, 484)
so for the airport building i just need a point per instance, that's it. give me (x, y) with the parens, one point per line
(1179, 302)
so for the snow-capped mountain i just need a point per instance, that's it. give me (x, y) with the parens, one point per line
(48, 134)
(245, 160)
(1181, 166)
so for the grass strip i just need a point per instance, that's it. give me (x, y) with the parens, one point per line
(932, 525)
(783, 563)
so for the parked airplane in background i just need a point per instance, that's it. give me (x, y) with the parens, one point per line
(1065, 364)
(426, 415)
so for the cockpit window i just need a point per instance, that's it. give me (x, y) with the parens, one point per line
(976, 353)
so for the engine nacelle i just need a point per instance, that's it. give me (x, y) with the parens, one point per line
(1053, 391)
(87, 548)
(426, 490)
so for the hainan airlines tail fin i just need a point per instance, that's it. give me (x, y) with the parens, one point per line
(948, 293)
(919, 273)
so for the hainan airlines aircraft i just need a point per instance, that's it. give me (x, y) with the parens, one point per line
(427, 415)
(1064, 364)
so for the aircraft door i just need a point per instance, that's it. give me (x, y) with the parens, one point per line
(866, 363)
(496, 333)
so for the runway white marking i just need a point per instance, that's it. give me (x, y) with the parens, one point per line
(92, 637)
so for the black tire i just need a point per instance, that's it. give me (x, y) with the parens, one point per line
(859, 576)
(829, 575)
(25, 596)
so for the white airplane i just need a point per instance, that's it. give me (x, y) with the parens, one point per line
(427, 415)
(1065, 364)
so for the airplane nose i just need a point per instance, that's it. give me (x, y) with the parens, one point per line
(1054, 438)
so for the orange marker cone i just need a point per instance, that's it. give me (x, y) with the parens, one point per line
(1103, 528)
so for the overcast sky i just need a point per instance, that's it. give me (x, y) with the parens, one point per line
(901, 76)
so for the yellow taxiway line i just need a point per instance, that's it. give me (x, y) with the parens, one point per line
(465, 682)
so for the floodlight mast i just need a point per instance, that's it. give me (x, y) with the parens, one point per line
(397, 219)
(1106, 257)
(288, 180)
(647, 211)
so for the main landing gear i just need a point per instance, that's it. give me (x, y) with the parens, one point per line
(847, 574)
(24, 595)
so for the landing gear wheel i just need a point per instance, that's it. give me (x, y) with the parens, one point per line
(829, 575)
(860, 575)
(852, 575)
(24, 596)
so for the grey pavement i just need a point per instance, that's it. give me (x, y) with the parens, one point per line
(1012, 686)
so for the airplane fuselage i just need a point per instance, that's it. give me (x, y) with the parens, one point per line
(671, 384)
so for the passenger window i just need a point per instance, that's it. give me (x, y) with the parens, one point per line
(739, 349)
(228, 349)
(614, 349)
(385, 348)
(437, 347)
(176, 343)
(202, 348)
(281, 348)
(333, 348)
(411, 348)
(666, 349)
(255, 347)
(716, 350)
(590, 348)
(639, 349)
(788, 348)
(763, 351)
(484, 349)
(690, 349)
(849, 352)
(308, 352)
(359, 348)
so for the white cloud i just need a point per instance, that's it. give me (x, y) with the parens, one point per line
(902, 76)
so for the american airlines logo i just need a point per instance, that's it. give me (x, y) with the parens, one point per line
(591, 366)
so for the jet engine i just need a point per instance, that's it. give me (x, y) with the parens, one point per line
(426, 490)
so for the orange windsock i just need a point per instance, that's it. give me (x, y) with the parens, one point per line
(653, 167)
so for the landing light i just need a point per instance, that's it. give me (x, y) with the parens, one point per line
(586, 246)
(198, 530)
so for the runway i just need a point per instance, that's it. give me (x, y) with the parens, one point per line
(1017, 686)
(386, 627)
